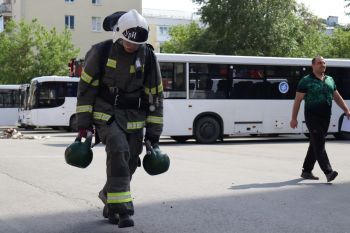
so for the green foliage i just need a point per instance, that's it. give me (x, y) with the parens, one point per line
(309, 38)
(183, 38)
(340, 40)
(347, 5)
(252, 27)
(28, 50)
(260, 28)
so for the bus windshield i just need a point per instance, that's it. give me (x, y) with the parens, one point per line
(51, 94)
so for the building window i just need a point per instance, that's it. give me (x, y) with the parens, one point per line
(69, 21)
(164, 30)
(96, 2)
(69, 1)
(163, 33)
(96, 24)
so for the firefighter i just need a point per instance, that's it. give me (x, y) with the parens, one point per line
(120, 93)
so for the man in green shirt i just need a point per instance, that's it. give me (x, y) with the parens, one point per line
(318, 90)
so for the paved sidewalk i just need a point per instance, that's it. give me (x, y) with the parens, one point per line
(241, 185)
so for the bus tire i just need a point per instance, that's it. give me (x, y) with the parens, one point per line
(341, 136)
(207, 130)
(29, 127)
(73, 124)
(180, 139)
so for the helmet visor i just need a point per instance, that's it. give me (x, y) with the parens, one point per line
(136, 34)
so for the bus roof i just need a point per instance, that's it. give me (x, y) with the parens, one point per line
(248, 60)
(55, 78)
(10, 87)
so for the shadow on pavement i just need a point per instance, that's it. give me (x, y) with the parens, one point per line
(268, 185)
(279, 184)
(316, 208)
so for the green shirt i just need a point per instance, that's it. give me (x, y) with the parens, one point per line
(319, 94)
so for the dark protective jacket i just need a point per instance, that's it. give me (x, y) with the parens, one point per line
(121, 87)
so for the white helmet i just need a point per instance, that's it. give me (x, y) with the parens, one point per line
(131, 27)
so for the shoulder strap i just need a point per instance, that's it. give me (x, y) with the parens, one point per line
(105, 48)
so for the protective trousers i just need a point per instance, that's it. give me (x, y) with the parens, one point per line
(318, 127)
(123, 150)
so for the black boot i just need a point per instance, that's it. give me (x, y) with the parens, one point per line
(112, 218)
(125, 221)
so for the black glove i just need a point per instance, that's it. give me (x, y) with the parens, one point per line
(153, 139)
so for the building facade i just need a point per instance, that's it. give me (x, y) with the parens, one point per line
(83, 17)
(160, 21)
(5, 13)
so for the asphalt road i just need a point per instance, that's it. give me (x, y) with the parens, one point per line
(240, 185)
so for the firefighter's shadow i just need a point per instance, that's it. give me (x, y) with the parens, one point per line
(292, 182)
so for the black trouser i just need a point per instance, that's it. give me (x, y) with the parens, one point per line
(318, 127)
(123, 150)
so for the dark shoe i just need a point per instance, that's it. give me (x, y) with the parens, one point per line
(125, 221)
(112, 218)
(331, 176)
(105, 211)
(308, 176)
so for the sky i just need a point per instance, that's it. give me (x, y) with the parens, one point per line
(321, 8)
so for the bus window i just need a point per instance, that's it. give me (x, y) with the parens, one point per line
(284, 81)
(249, 82)
(208, 81)
(265, 82)
(9, 98)
(51, 94)
(9, 104)
(341, 77)
(174, 80)
(72, 88)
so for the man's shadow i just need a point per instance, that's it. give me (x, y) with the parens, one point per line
(276, 184)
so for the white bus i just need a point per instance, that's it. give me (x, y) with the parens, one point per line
(52, 102)
(209, 97)
(9, 103)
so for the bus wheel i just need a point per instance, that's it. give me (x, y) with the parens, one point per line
(341, 136)
(180, 139)
(73, 124)
(207, 130)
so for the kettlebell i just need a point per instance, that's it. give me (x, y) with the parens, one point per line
(79, 154)
(155, 162)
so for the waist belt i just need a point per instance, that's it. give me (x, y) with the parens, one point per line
(123, 102)
(120, 100)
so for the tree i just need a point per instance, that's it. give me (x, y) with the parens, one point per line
(183, 38)
(341, 41)
(259, 27)
(29, 50)
(309, 38)
(347, 5)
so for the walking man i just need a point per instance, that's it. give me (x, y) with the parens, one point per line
(318, 90)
